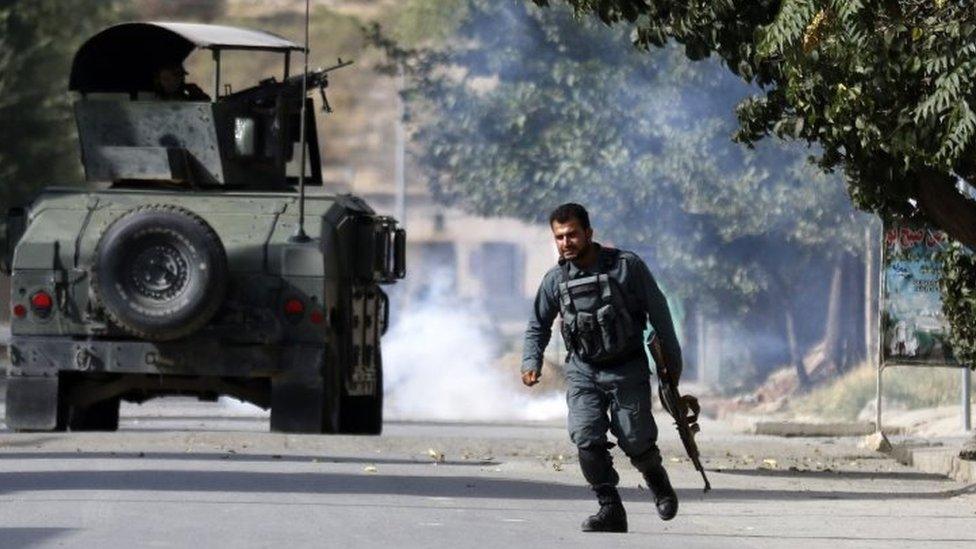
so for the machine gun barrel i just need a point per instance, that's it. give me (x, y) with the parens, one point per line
(684, 409)
(319, 78)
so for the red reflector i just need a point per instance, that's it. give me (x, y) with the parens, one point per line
(20, 311)
(294, 307)
(41, 300)
(316, 317)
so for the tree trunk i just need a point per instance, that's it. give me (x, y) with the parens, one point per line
(803, 380)
(833, 324)
(853, 315)
(946, 207)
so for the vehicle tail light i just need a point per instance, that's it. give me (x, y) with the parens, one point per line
(316, 317)
(294, 308)
(20, 311)
(41, 302)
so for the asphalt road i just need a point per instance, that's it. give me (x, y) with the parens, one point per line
(186, 474)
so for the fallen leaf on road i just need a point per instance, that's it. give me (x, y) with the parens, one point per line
(369, 469)
(435, 455)
(770, 462)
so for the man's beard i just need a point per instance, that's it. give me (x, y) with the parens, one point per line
(579, 253)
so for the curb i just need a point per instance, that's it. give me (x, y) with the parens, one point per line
(791, 429)
(940, 458)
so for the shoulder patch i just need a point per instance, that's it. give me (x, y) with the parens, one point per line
(629, 255)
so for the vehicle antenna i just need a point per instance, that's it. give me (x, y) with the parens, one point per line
(300, 235)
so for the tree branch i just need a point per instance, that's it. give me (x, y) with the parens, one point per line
(946, 207)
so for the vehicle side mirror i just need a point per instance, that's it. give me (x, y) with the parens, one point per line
(13, 226)
(244, 137)
(389, 246)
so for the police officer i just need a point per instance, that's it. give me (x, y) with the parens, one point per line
(605, 298)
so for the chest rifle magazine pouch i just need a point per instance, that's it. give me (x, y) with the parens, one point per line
(596, 322)
(588, 335)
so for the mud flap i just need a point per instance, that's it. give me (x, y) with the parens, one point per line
(297, 404)
(361, 404)
(33, 404)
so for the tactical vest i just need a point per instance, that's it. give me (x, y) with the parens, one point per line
(596, 325)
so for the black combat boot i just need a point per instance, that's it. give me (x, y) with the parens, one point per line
(665, 498)
(611, 517)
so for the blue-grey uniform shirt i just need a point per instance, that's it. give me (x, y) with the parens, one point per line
(640, 289)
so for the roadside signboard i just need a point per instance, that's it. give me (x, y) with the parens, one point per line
(913, 327)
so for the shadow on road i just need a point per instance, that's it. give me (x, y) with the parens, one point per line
(231, 456)
(27, 537)
(787, 473)
(402, 485)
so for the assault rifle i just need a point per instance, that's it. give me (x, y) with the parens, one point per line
(684, 409)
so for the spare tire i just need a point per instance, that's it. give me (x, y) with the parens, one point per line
(160, 272)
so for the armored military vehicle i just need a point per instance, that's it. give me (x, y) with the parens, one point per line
(193, 266)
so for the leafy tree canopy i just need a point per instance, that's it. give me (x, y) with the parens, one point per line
(521, 109)
(886, 88)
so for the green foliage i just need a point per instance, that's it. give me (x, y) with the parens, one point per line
(959, 301)
(524, 108)
(886, 90)
(37, 41)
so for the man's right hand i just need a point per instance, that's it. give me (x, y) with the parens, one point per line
(530, 378)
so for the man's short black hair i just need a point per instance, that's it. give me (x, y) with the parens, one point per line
(568, 211)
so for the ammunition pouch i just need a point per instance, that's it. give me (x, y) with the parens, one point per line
(596, 325)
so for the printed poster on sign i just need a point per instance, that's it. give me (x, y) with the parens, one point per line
(913, 328)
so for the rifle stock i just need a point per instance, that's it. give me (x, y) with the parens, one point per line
(679, 407)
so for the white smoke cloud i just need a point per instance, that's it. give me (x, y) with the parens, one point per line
(439, 363)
